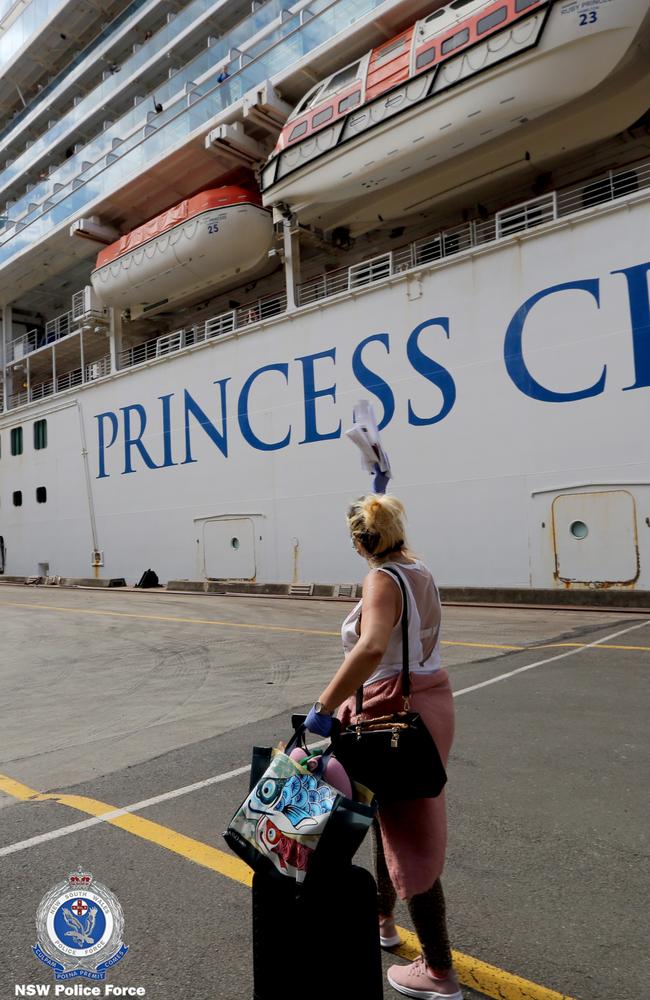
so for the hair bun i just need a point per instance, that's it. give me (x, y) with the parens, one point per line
(376, 512)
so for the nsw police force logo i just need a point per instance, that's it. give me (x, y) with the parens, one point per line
(79, 925)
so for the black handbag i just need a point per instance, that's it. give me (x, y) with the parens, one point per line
(395, 756)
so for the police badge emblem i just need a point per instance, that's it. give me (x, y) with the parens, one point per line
(79, 925)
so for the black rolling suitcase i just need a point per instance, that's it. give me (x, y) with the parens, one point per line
(305, 936)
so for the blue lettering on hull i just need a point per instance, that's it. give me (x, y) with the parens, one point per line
(319, 387)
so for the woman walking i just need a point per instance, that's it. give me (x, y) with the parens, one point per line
(410, 836)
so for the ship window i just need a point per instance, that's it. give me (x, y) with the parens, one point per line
(350, 101)
(491, 20)
(389, 52)
(436, 14)
(460, 3)
(524, 4)
(347, 75)
(40, 434)
(322, 116)
(17, 441)
(426, 58)
(18, 498)
(298, 131)
(41, 494)
(460, 38)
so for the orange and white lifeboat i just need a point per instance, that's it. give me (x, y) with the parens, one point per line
(218, 237)
(469, 73)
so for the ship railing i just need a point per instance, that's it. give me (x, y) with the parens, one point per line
(18, 399)
(260, 309)
(58, 327)
(527, 215)
(97, 369)
(217, 326)
(67, 380)
(42, 390)
(18, 348)
(613, 185)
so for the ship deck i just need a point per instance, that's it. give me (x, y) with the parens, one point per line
(150, 702)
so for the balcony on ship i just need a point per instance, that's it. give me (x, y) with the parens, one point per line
(155, 153)
(56, 355)
(39, 40)
(145, 56)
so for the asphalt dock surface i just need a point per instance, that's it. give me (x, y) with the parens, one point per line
(150, 703)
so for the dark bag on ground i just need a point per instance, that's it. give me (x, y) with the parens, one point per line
(148, 579)
(393, 755)
(301, 934)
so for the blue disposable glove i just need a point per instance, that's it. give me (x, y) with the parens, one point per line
(379, 480)
(318, 723)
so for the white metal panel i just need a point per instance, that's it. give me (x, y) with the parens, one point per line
(229, 549)
(596, 537)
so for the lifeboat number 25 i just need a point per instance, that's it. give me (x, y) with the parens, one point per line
(213, 227)
(590, 17)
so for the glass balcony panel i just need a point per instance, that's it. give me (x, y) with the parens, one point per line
(138, 152)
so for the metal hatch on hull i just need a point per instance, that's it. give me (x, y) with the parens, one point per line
(216, 238)
(468, 85)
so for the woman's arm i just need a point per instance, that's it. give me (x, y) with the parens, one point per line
(381, 611)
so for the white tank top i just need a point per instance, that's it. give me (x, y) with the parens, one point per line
(424, 613)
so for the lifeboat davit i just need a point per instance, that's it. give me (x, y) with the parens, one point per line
(468, 74)
(218, 237)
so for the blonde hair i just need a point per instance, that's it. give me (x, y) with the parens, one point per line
(376, 522)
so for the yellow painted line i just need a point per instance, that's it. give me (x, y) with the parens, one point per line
(481, 976)
(167, 618)
(203, 854)
(288, 628)
(480, 645)
(487, 979)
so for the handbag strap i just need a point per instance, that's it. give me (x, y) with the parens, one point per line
(406, 676)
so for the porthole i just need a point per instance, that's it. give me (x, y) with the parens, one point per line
(234, 543)
(579, 529)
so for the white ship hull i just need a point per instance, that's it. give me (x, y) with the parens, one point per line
(516, 382)
(495, 91)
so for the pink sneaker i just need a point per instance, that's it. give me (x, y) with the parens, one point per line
(388, 936)
(414, 981)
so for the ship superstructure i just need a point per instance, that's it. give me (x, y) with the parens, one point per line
(199, 277)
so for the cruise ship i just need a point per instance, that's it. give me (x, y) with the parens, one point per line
(224, 223)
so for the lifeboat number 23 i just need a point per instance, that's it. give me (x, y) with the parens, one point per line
(588, 17)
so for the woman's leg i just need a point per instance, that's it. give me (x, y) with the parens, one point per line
(428, 914)
(385, 890)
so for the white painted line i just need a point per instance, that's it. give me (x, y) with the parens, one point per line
(63, 831)
(550, 659)
(217, 778)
